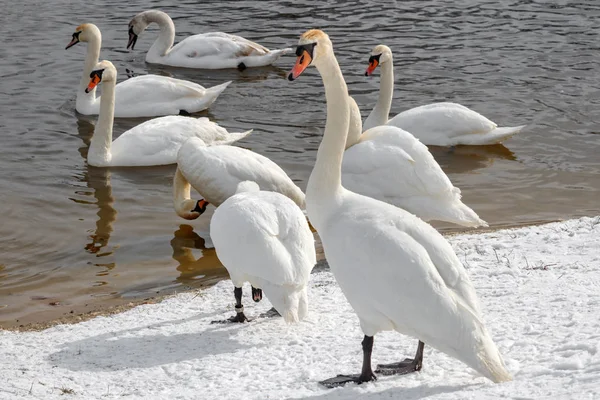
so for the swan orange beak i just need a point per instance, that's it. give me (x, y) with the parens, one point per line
(73, 41)
(93, 83)
(200, 206)
(302, 62)
(372, 65)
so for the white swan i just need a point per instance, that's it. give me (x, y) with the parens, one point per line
(436, 124)
(397, 272)
(141, 96)
(263, 238)
(216, 171)
(391, 165)
(154, 142)
(213, 50)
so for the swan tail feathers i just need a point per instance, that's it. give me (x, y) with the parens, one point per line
(233, 137)
(247, 186)
(275, 54)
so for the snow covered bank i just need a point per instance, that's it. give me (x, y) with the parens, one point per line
(539, 288)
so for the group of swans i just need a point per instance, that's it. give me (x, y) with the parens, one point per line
(404, 276)
(375, 188)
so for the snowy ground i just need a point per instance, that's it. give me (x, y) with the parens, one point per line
(539, 287)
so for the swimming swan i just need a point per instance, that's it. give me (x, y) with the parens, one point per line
(140, 96)
(154, 142)
(436, 124)
(213, 50)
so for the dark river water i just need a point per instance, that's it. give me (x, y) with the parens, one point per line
(73, 236)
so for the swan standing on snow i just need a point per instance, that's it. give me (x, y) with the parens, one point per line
(153, 142)
(436, 124)
(263, 238)
(141, 96)
(391, 165)
(216, 171)
(397, 272)
(213, 50)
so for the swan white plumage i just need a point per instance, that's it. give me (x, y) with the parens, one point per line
(391, 165)
(154, 142)
(263, 238)
(436, 124)
(140, 96)
(213, 50)
(397, 272)
(216, 171)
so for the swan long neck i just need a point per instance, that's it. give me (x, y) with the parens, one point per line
(182, 201)
(355, 123)
(380, 113)
(325, 182)
(91, 59)
(162, 45)
(99, 152)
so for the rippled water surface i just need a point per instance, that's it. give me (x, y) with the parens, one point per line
(73, 235)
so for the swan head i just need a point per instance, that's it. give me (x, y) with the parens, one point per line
(137, 25)
(84, 33)
(313, 47)
(380, 55)
(104, 71)
(198, 210)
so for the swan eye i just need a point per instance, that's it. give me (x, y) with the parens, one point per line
(374, 58)
(309, 48)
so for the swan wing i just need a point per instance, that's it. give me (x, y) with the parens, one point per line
(389, 163)
(217, 45)
(157, 141)
(438, 123)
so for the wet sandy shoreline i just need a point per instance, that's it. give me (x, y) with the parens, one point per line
(72, 314)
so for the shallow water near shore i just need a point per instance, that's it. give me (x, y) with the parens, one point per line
(75, 237)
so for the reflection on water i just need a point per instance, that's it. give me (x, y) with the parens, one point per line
(72, 235)
(195, 270)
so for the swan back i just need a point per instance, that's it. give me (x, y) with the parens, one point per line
(216, 171)
(264, 238)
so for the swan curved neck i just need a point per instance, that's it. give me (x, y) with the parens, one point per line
(355, 123)
(91, 59)
(99, 153)
(380, 113)
(162, 45)
(325, 183)
(182, 201)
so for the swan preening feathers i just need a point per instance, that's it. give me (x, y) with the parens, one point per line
(140, 96)
(213, 50)
(216, 171)
(436, 124)
(405, 275)
(154, 142)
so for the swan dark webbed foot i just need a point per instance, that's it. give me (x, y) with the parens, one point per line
(366, 375)
(239, 309)
(409, 365)
(241, 66)
(341, 380)
(239, 317)
(256, 294)
(184, 113)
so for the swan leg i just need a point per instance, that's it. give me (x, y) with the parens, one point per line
(239, 309)
(404, 367)
(256, 294)
(366, 374)
(184, 113)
